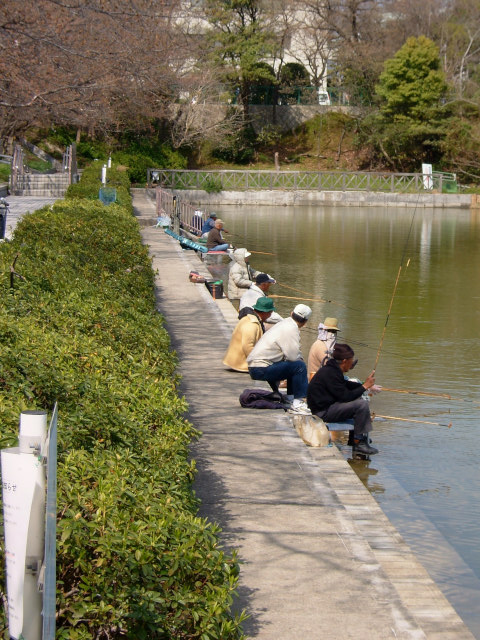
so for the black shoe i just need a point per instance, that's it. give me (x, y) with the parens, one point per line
(363, 446)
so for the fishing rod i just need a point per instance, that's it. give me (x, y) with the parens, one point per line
(446, 396)
(396, 284)
(264, 253)
(438, 424)
(281, 284)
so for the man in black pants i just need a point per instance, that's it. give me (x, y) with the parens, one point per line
(334, 399)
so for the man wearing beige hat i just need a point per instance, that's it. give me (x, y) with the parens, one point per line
(215, 241)
(322, 348)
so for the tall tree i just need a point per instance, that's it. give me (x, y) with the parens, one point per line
(460, 46)
(94, 64)
(241, 35)
(412, 122)
(354, 32)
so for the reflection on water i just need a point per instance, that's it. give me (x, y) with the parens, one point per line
(343, 262)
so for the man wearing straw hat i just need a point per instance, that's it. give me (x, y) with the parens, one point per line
(322, 348)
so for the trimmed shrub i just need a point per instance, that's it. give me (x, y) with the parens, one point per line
(90, 184)
(137, 162)
(133, 560)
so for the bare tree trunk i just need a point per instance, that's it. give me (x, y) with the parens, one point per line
(389, 160)
(339, 152)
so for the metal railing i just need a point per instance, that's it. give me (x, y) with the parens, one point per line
(24, 180)
(238, 180)
(183, 215)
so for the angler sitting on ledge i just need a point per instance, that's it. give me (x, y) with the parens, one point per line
(335, 399)
(277, 357)
(215, 241)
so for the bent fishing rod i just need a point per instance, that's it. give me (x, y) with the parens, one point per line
(396, 285)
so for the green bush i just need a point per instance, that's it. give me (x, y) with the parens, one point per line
(139, 159)
(238, 147)
(212, 185)
(90, 184)
(4, 172)
(133, 560)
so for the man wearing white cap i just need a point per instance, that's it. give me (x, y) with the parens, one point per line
(277, 356)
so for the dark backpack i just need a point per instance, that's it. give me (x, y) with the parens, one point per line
(262, 399)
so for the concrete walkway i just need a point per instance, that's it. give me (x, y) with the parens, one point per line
(319, 557)
(19, 206)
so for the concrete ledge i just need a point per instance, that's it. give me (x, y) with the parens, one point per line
(325, 198)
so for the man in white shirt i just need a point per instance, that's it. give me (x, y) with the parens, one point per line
(277, 356)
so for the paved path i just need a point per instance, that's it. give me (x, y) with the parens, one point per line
(319, 557)
(19, 206)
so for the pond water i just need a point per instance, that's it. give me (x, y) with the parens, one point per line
(426, 476)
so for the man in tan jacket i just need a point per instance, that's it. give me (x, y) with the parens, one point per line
(246, 334)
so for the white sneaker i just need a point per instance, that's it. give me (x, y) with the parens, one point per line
(300, 407)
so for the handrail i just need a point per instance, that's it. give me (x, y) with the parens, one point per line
(244, 180)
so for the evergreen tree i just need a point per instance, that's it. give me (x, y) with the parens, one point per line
(413, 120)
(241, 38)
(412, 83)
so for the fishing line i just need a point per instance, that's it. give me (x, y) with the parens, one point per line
(438, 424)
(243, 239)
(281, 284)
(396, 284)
(274, 295)
(445, 396)
(358, 342)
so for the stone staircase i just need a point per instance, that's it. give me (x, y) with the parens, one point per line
(51, 185)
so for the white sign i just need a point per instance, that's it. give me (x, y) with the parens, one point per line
(427, 176)
(23, 491)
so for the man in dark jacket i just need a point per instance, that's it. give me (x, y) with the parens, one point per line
(334, 399)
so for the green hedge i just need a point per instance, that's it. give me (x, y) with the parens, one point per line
(90, 184)
(133, 560)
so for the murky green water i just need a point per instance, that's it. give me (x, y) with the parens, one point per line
(426, 477)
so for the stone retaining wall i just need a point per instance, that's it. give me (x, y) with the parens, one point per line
(328, 198)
